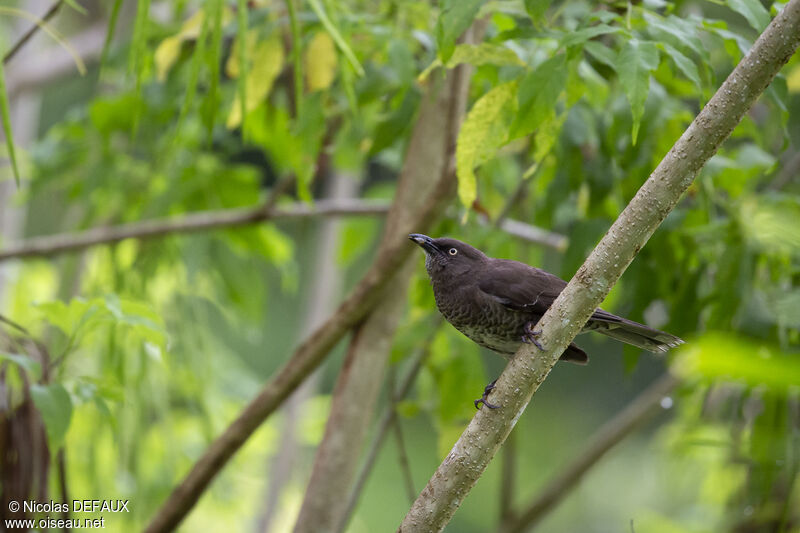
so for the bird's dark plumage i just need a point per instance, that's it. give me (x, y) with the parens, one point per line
(496, 302)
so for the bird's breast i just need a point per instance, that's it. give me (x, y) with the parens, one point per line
(483, 320)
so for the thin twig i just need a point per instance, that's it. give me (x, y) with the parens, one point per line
(32, 31)
(534, 234)
(194, 222)
(14, 325)
(61, 460)
(402, 456)
(386, 420)
(518, 193)
(508, 479)
(636, 413)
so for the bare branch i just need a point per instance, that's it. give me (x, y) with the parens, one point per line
(534, 234)
(471, 454)
(636, 413)
(508, 478)
(192, 223)
(402, 457)
(32, 31)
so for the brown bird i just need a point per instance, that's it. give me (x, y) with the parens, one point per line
(497, 303)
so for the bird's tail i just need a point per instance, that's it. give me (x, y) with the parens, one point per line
(630, 332)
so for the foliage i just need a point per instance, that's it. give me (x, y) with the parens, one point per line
(156, 344)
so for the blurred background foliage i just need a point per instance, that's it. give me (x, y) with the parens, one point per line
(145, 350)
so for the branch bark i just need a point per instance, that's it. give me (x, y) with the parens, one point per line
(431, 151)
(203, 221)
(50, 245)
(470, 456)
(636, 413)
(32, 31)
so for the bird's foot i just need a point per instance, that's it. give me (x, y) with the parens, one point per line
(484, 399)
(531, 336)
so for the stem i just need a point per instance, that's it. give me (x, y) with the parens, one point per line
(297, 72)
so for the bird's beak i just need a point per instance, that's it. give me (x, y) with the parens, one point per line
(425, 242)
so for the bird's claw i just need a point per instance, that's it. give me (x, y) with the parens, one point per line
(531, 336)
(484, 399)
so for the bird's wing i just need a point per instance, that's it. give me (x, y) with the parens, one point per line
(524, 288)
(519, 286)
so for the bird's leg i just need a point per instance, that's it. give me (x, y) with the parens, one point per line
(530, 335)
(484, 399)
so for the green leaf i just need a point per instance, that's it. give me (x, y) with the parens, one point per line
(6, 117)
(69, 318)
(685, 64)
(454, 18)
(476, 55)
(336, 36)
(26, 363)
(538, 94)
(55, 406)
(681, 32)
(194, 72)
(393, 128)
(212, 59)
(242, 80)
(635, 62)
(584, 34)
(752, 10)
(76, 6)
(136, 60)
(770, 224)
(484, 130)
(112, 25)
(728, 357)
(601, 53)
(536, 9)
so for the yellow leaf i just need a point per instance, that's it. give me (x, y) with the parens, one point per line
(793, 80)
(169, 49)
(232, 64)
(320, 62)
(476, 55)
(267, 62)
(485, 129)
(166, 55)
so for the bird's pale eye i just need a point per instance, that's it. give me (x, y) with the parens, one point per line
(452, 251)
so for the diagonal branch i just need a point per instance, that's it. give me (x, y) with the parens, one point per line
(470, 456)
(32, 30)
(636, 413)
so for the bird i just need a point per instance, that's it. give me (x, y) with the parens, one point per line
(497, 303)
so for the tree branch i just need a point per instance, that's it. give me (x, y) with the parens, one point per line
(32, 31)
(636, 413)
(50, 245)
(191, 223)
(470, 456)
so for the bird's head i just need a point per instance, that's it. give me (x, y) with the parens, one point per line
(448, 255)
